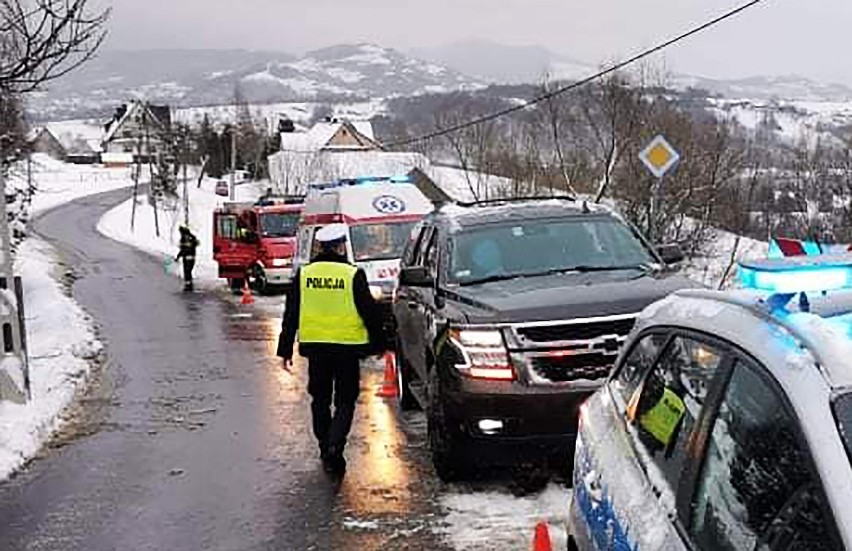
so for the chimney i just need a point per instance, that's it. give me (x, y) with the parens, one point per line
(286, 126)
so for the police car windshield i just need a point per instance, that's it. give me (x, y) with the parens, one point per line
(380, 241)
(544, 247)
(843, 415)
(275, 224)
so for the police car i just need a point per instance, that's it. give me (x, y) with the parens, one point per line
(727, 423)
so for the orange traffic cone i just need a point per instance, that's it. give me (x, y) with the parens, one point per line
(541, 542)
(389, 389)
(248, 298)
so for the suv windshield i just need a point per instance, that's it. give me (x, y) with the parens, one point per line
(279, 224)
(541, 247)
(380, 241)
(843, 416)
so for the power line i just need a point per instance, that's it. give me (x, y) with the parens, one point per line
(578, 84)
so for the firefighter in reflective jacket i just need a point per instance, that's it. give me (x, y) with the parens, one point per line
(188, 245)
(339, 323)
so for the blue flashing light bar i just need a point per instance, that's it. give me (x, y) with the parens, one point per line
(798, 274)
(346, 182)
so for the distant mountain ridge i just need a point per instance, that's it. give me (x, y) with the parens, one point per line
(502, 64)
(209, 77)
(348, 72)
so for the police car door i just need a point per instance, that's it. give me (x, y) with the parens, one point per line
(756, 486)
(635, 439)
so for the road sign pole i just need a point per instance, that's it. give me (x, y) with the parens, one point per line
(655, 209)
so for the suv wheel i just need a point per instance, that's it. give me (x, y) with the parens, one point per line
(445, 456)
(406, 401)
(443, 441)
(236, 284)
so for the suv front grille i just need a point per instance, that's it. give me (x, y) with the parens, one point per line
(572, 350)
(564, 369)
(576, 331)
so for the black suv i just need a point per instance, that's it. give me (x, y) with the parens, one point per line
(509, 315)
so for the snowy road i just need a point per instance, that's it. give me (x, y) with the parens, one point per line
(193, 438)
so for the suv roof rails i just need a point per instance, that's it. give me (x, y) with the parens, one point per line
(485, 202)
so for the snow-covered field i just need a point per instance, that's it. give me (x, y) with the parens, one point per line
(60, 335)
(794, 120)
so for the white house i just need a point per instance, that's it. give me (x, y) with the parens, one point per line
(332, 150)
(137, 128)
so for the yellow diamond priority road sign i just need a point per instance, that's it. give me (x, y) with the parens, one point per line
(659, 156)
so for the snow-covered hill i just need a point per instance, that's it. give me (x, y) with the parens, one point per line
(191, 78)
(789, 88)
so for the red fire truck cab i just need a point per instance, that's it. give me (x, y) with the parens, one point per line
(256, 242)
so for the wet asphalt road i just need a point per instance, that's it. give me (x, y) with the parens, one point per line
(193, 438)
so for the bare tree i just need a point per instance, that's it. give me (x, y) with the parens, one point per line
(42, 40)
(475, 150)
(613, 111)
(559, 116)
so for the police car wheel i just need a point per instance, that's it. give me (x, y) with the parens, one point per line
(406, 401)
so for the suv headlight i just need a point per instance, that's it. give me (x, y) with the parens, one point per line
(282, 262)
(484, 352)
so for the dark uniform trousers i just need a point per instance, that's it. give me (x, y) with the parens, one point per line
(338, 375)
(188, 266)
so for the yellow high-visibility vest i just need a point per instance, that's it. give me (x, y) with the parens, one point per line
(327, 312)
(662, 419)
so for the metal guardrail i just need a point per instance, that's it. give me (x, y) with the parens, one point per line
(14, 361)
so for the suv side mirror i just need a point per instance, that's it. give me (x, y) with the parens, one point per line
(671, 254)
(415, 276)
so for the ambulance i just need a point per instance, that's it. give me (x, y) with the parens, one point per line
(381, 214)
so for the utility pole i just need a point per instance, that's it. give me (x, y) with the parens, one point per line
(233, 195)
(185, 155)
(152, 187)
(136, 175)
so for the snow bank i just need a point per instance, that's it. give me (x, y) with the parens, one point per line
(497, 520)
(61, 342)
(709, 268)
(115, 224)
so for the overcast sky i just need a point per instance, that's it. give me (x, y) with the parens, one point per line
(808, 37)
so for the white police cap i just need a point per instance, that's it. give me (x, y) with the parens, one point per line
(332, 233)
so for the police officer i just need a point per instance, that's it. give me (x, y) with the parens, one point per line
(188, 245)
(339, 323)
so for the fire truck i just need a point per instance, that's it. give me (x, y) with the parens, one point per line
(256, 242)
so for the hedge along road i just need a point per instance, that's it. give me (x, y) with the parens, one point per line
(192, 437)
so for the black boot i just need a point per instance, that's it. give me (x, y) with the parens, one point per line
(333, 462)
